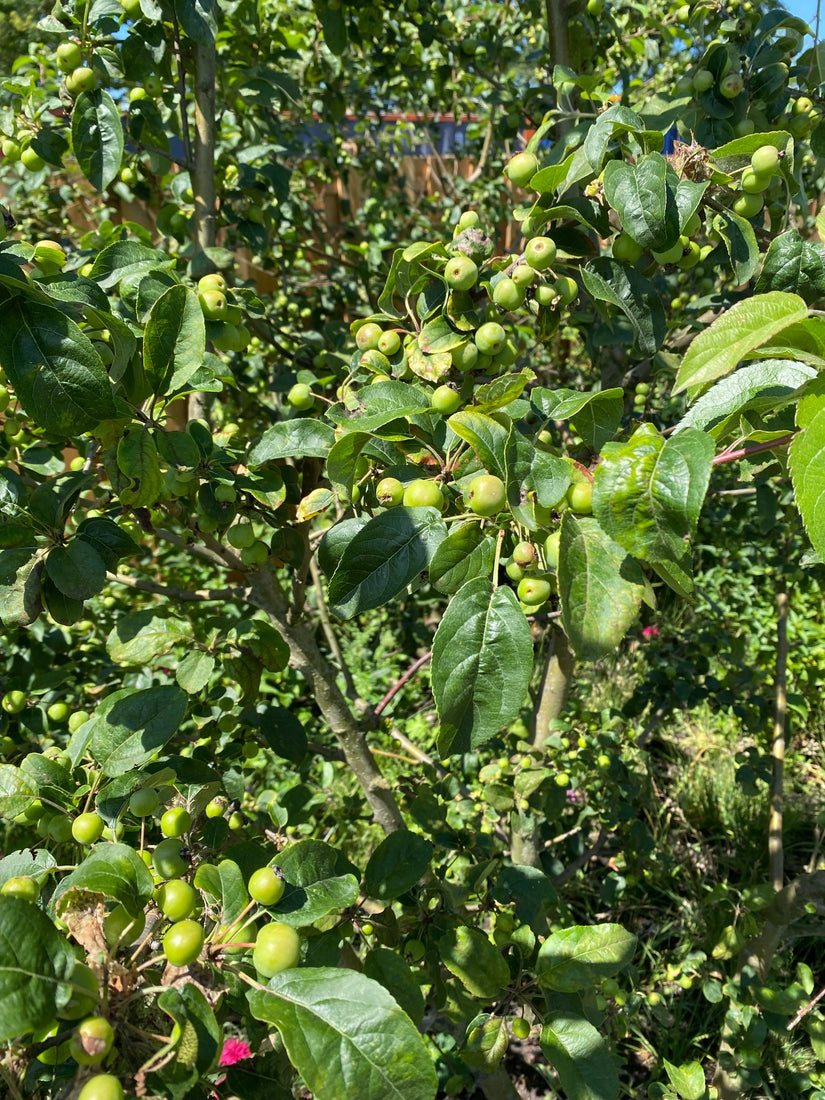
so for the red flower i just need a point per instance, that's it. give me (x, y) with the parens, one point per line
(234, 1050)
(650, 632)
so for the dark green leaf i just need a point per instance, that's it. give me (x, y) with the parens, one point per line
(600, 587)
(129, 726)
(114, 870)
(57, 375)
(580, 1056)
(97, 137)
(579, 958)
(76, 569)
(465, 553)
(383, 558)
(396, 865)
(795, 265)
(34, 959)
(622, 286)
(644, 199)
(174, 340)
(293, 439)
(480, 967)
(481, 665)
(138, 638)
(740, 241)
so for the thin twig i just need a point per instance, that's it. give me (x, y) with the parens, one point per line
(757, 448)
(806, 1009)
(396, 687)
(185, 595)
(776, 851)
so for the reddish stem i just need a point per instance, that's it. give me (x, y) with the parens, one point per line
(396, 687)
(757, 448)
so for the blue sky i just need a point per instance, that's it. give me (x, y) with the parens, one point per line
(804, 8)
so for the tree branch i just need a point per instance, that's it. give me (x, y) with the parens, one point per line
(185, 595)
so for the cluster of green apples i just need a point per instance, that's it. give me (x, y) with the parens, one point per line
(226, 329)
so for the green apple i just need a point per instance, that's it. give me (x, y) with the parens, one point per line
(277, 948)
(176, 822)
(487, 495)
(535, 591)
(20, 886)
(389, 343)
(460, 273)
(183, 943)
(731, 85)
(82, 79)
(540, 253)
(765, 161)
(31, 159)
(87, 828)
(213, 281)
(167, 859)
(10, 149)
(144, 802)
(702, 80)
(389, 492)
(214, 304)
(490, 338)
(176, 899)
(507, 294)
(266, 886)
(465, 356)
(68, 56)
(13, 702)
(91, 1041)
(566, 289)
(522, 168)
(423, 493)
(103, 1086)
(580, 497)
(446, 400)
(368, 335)
(301, 397)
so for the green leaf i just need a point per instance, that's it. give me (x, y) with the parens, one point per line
(762, 387)
(747, 325)
(481, 665)
(795, 265)
(387, 967)
(224, 883)
(20, 575)
(304, 437)
(688, 1079)
(319, 879)
(17, 791)
(174, 340)
(644, 199)
(334, 25)
(56, 373)
(129, 726)
(478, 965)
(194, 671)
(198, 19)
(34, 959)
(346, 1035)
(595, 416)
(614, 120)
(487, 436)
(648, 492)
(126, 258)
(807, 465)
(280, 728)
(137, 460)
(578, 958)
(580, 1056)
(396, 865)
(739, 239)
(76, 569)
(342, 461)
(502, 390)
(465, 553)
(110, 541)
(379, 404)
(201, 1039)
(26, 861)
(114, 870)
(138, 638)
(97, 137)
(601, 588)
(383, 558)
(486, 1042)
(607, 280)
(439, 335)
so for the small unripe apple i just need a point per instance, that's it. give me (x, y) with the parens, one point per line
(446, 400)
(423, 493)
(540, 253)
(522, 168)
(92, 1041)
(31, 159)
(301, 397)
(487, 495)
(490, 338)
(566, 289)
(702, 80)
(103, 1086)
(460, 273)
(20, 886)
(390, 492)
(68, 56)
(507, 295)
(368, 335)
(390, 343)
(214, 304)
(82, 79)
(580, 497)
(765, 161)
(213, 281)
(731, 85)
(266, 886)
(534, 591)
(465, 356)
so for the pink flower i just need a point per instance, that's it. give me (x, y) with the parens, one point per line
(650, 632)
(234, 1050)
